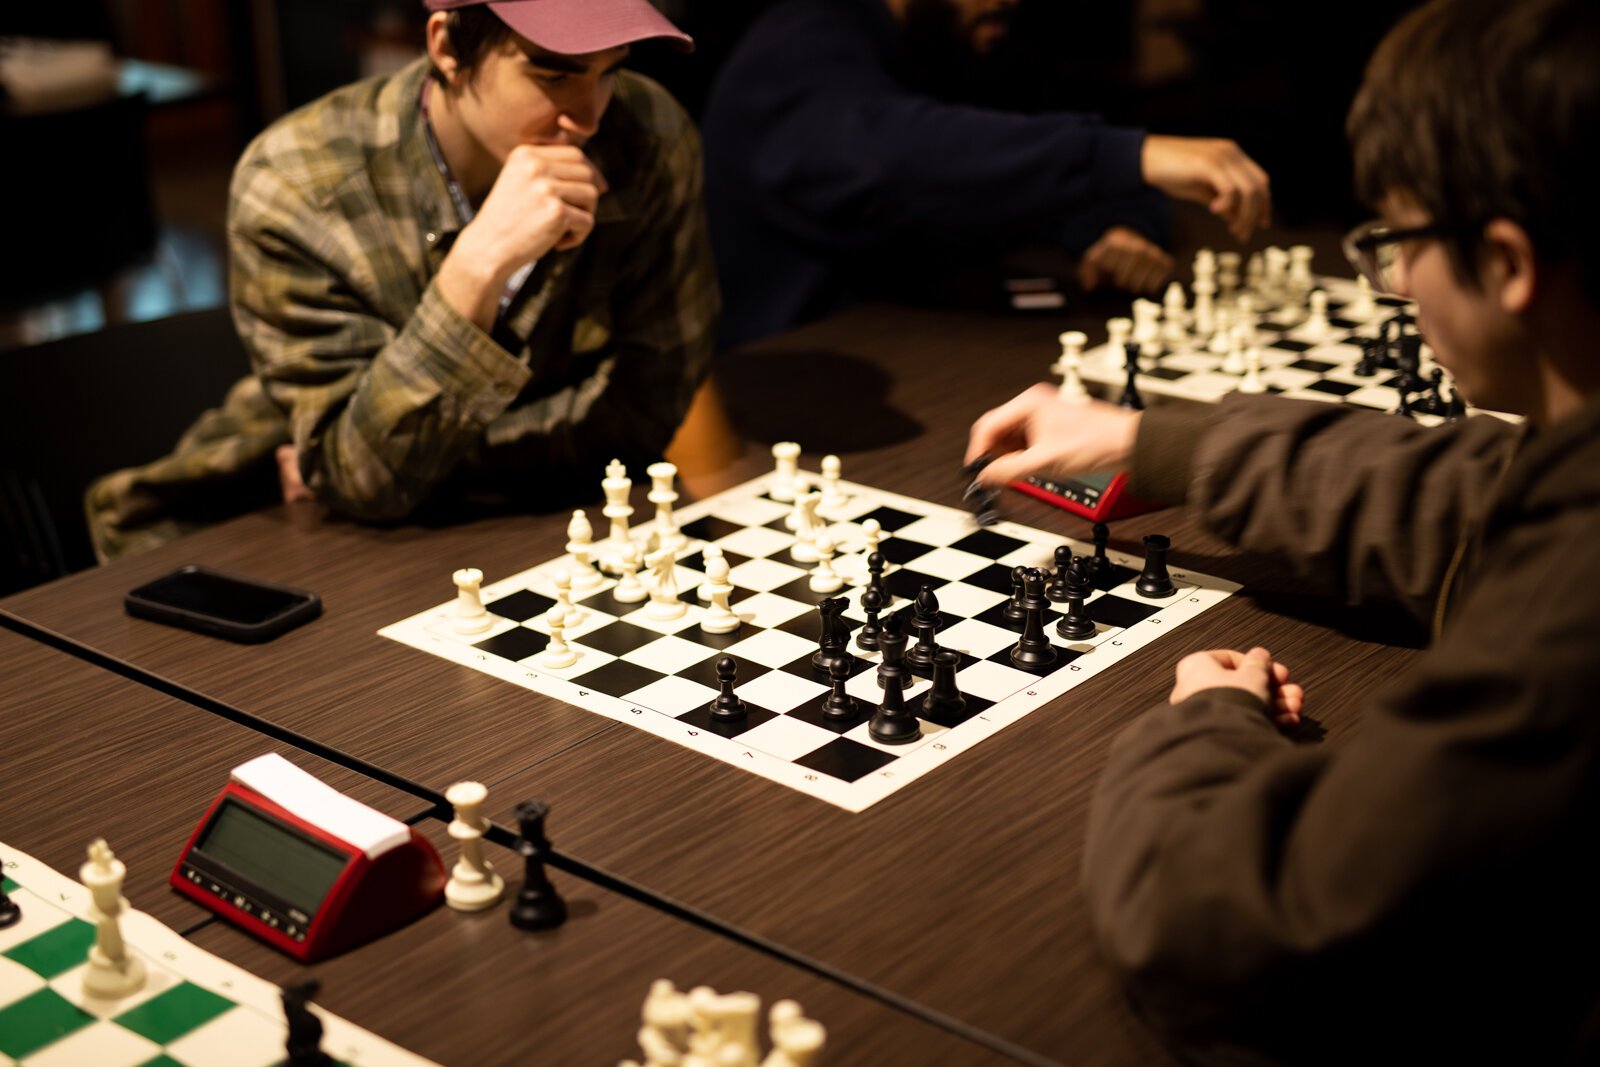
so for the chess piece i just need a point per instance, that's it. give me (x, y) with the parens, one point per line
(470, 615)
(808, 526)
(1316, 326)
(1300, 280)
(1014, 612)
(1101, 537)
(1147, 328)
(839, 706)
(1076, 625)
(1363, 306)
(572, 614)
(537, 905)
(473, 884)
(892, 643)
(833, 642)
(944, 700)
(629, 589)
(893, 723)
(824, 579)
(1118, 332)
(786, 460)
(557, 654)
(1252, 382)
(580, 536)
(1034, 650)
(707, 554)
(303, 1045)
(1155, 582)
(1174, 317)
(872, 531)
(924, 624)
(1233, 362)
(871, 604)
(719, 617)
(1069, 366)
(663, 496)
(1227, 274)
(797, 1045)
(664, 603)
(616, 485)
(10, 910)
(833, 494)
(727, 707)
(1057, 590)
(1130, 390)
(875, 565)
(1080, 578)
(113, 971)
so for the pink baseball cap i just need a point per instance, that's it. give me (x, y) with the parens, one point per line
(577, 27)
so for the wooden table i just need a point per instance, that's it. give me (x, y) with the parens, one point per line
(956, 898)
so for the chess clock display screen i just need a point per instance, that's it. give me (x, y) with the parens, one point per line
(272, 856)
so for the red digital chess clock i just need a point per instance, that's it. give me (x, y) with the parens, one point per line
(304, 867)
(1098, 497)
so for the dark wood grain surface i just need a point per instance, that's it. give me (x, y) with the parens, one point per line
(958, 893)
(471, 989)
(85, 753)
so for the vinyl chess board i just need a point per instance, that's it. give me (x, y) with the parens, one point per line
(1296, 361)
(194, 1010)
(660, 676)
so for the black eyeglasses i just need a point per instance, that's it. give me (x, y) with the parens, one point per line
(1373, 248)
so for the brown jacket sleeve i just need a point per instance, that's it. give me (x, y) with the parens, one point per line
(1421, 889)
(1361, 504)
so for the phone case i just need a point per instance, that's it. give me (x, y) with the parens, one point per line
(306, 606)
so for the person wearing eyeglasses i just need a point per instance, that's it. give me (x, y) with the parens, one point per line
(1424, 890)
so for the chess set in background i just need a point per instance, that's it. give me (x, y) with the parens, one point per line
(86, 980)
(1279, 329)
(703, 1026)
(759, 665)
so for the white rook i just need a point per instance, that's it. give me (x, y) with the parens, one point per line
(471, 616)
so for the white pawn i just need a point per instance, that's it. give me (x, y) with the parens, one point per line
(1118, 333)
(1234, 363)
(833, 494)
(1317, 327)
(113, 971)
(1363, 306)
(1222, 337)
(473, 884)
(786, 460)
(629, 589)
(824, 579)
(471, 616)
(872, 530)
(1244, 316)
(719, 618)
(664, 602)
(1072, 389)
(800, 487)
(1175, 316)
(1255, 274)
(804, 549)
(570, 612)
(708, 554)
(1147, 327)
(1300, 281)
(1252, 382)
(580, 536)
(557, 653)
(1227, 275)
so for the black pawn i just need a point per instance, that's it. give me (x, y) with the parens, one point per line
(1014, 611)
(871, 603)
(1433, 403)
(1076, 625)
(304, 1042)
(10, 910)
(893, 723)
(944, 700)
(727, 707)
(1102, 538)
(893, 645)
(1062, 579)
(1155, 581)
(538, 906)
(875, 577)
(839, 705)
(1034, 650)
(1130, 391)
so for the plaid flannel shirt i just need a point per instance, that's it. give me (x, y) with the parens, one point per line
(338, 222)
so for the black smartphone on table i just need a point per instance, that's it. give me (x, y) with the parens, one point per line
(223, 605)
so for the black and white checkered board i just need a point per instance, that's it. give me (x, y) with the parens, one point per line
(660, 676)
(1294, 361)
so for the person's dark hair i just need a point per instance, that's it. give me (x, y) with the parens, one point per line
(1484, 109)
(474, 33)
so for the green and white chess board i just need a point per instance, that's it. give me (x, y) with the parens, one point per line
(194, 1009)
